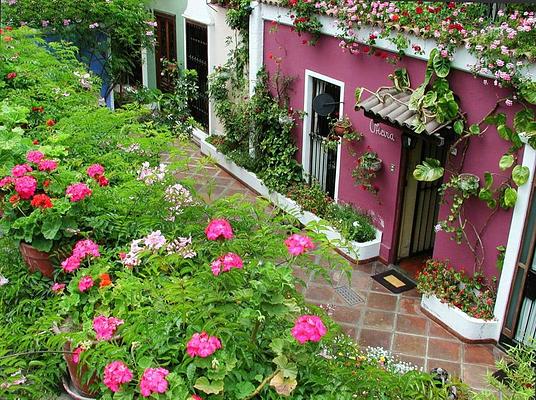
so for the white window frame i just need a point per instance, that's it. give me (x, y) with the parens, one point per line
(308, 108)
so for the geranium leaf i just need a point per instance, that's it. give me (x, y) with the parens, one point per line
(282, 385)
(208, 387)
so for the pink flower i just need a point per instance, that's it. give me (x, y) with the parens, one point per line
(95, 170)
(76, 354)
(115, 374)
(34, 156)
(195, 397)
(58, 287)
(71, 263)
(20, 170)
(85, 283)
(308, 328)
(202, 345)
(25, 186)
(86, 247)
(47, 165)
(102, 181)
(105, 327)
(7, 180)
(78, 191)
(298, 244)
(225, 263)
(153, 380)
(155, 240)
(219, 228)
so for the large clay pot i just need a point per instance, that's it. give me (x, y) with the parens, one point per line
(36, 260)
(76, 375)
(340, 130)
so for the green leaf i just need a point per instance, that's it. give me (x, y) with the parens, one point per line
(208, 387)
(524, 121)
(429, 99)
(504, 132)
(429, 171)
(358, 93)
(474, 129)
(441, 65)
(458, 127)
(277, 346)
(244, 389)
(288, 369)
(520, 175)
(145, 362)
(528, 91)
(510, 197)
(506, 162)
(42, 244)
(400, 79)
(488, 180)
(485, 195)
(51, 226)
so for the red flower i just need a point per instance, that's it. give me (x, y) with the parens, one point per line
(38, 109)
(9, 28)
(14, 199)
(8, 38)
(405, 13)
(384, 55)
(366, 49)
(418, 10)
(41, 201)
(46, 183)
(451, 5)
(50, 122)
(105, 280)
(372, 36)
(292, 3)
(35, 142)
(395, 17)
(11, 75)
(102, 181)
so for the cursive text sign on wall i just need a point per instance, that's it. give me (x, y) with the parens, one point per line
(377, 130)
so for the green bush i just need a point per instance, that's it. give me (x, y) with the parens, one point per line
(352, 224)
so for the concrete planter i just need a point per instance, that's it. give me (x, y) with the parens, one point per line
(353, 250)
(465, 327)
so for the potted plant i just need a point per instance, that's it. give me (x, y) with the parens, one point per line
(342, 126)
(40, 208)
(366, 169)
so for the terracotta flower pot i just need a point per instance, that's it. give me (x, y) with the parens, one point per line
(36, 260)
(340, 130)
(76, 374)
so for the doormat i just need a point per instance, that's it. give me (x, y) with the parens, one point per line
(394, 281)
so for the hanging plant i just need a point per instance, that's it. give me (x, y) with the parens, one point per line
(366, 169)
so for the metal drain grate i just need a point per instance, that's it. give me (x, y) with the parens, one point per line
(351, 297)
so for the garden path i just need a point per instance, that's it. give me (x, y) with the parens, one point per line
(381, 318)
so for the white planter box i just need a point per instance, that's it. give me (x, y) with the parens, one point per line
(353, 250)
(468, 328)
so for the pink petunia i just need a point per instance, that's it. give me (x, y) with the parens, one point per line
(78, 191)
(308, 328)
(202, 345)
(34, 156)
(105, 327)
(153, 380)
(298, 244)
(85, 283)
(219, 228)
(47, 165)
(115, 374)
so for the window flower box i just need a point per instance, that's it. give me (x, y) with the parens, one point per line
(465, 327)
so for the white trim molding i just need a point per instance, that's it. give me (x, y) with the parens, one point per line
(514, 240)
(307, 106)
(256, 44)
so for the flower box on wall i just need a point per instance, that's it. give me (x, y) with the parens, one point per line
(352, 250)
(465, 327)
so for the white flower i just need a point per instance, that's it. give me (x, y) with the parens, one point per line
(3, 280)
(438, 228)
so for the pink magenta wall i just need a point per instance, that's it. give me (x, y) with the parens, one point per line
(371, 72)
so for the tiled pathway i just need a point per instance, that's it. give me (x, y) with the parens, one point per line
(394, 322)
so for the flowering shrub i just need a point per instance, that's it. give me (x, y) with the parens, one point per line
(472, 295)
(365, 171)
(298, 244)
(115, 374)
(202, 345)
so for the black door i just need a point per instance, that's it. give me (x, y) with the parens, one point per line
(197, 59)
(322, 160)
(165, 49)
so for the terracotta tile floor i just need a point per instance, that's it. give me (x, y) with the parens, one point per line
(394, 322)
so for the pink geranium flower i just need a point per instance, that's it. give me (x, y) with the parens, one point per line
(308, 328)
(47, 165)
(202, 345)
(115, 374)
(225, 263)
(25, 186)
(95, 170)
(298, 244)
(20, 170)
(5, 181)
(58, 287)
(85, 283)
(105, 327)
(86, 247)
(218, 228)
(153, 380)
(71, 263)
(34, 156)
(195, 397)
(78, 191)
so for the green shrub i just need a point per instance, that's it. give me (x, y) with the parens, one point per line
(352, 224)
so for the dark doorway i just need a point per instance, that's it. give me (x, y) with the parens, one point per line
(197, 59)
(420, 202)
(520, 322)
(165, 49)
(322, 160)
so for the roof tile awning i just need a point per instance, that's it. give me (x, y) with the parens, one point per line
(391, 105)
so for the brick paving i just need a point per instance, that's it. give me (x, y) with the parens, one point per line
(394, 322)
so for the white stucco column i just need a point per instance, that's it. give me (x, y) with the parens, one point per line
(256, 44)
(514, 239)
(144, 68)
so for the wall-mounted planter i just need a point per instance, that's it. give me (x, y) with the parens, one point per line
(352, 250)
(465, 327)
